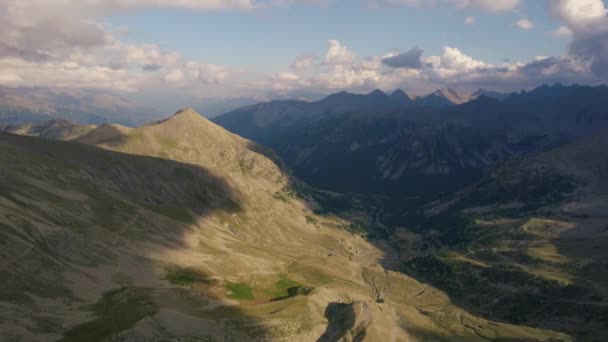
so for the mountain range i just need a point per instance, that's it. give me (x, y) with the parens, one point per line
(27, 105)
(184, 230)
(377, 144)
(499, 201)
(353, 218)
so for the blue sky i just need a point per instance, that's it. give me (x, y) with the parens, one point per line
(178, 50)
(269, 39)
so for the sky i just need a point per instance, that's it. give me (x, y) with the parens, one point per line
(176, 49)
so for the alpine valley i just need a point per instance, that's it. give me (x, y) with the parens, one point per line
(376, 217)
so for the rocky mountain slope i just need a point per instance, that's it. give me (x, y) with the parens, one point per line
(180, 229)
(255, 118)
(418, 150)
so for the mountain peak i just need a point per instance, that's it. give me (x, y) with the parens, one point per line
(341, 93)
(338, 96)
(399, 96)
(187, 112)
(377, 92)
(399, 93)
(183, 115)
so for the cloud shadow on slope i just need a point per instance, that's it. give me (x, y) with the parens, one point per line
(127, 200)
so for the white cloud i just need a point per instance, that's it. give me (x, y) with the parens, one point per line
(338, 54)
(63, 43)
(525, 24)
(562, 32)
(10, 79)
(63, 75)
(174, 76)
(588, 24)
(304, 62)
(451, 68)
(470, 20)
(339, 69)
(575, 12)
(453, 60)
(411, 59)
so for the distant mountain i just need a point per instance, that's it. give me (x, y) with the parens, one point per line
(490, 94)
(212, 107)
(53, 129)
(377, 100)
(416, 150)
(443, 97)
(23, 105)
(401, 97)
(433, 100)
(253, 119)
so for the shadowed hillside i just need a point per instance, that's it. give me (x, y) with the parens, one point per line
(525, 244)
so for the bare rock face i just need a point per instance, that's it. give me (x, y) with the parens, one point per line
(347, 322)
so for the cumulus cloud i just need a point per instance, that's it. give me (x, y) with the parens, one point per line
(64, 43)
(304, 62)
(562, 32)
(411, 59)
(63, 75)
(588, 24)
(453, 61)
(34, 30)
(550, 66)
(525, 24)
(452, 67)
(470, 20)
(338, 69)
(338, 54)
(575, 12)
(592, 46)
